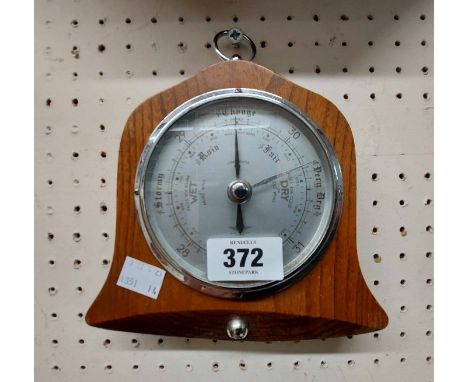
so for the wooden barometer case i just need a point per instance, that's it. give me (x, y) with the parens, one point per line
(240, 154)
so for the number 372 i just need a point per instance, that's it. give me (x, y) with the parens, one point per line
(231, 260)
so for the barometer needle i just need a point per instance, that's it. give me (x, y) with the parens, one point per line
(239, 219)
(236, 155)
(271, 178)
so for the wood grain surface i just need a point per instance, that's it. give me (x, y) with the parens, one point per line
(331, 300)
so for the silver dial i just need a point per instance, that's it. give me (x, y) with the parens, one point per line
(237, 163)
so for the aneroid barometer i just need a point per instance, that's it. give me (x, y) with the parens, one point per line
(236, 213)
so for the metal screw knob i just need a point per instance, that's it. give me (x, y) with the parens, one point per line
(235, 36)
(237, 328)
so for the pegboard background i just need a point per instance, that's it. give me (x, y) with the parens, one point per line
(96, 60)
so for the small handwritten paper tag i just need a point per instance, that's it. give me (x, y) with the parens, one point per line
(141, 277)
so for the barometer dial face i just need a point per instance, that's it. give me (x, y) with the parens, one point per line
(237, 163)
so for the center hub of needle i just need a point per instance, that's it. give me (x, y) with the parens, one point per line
(239, 191)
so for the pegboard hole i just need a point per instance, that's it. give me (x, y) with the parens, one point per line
(235, 19)
(77, 209)
(344, 18)
(372, 69)
(56, 368)
(103, 208)
(80, 316)
(75, 102)
(83, 367)
(403, 282)
(402, 202)
(48, 102)
(426, 96)
(135, 342)
(77, 263)
(103, 154)
(161, 366)
(108, 368)
(52, 262)
(429, 333)
(375, 230)
(427, 175)
(375, 202)
(54, 315)
(81, 341)
(181, 72)
(105, 235)
(317, 70)
(429, 307)
(128, 20)
(423, 42)
(370, 17)
(290, 44)
(396, 17)
(398, 69)
(429, 229)
(403, 231)
(289, 18)
(74, 23)
(316, 43)
(397, 43)
(54, 342)
(425, 69)
(101, 74)
(188, 367)
(135, 367)
(370, 43)
(403, 309)
(106, 342)
(291, 70)
(75, 155)
(402, 360)
(316, 18)
(105, 262)
(422, 17)
(50, 182)
(215, 366)
(160, 341)
(128, 46)
(208, 45)
(374, 176)
(48, 130)
(153, 20)
(429, 282)
(323, 364)
(50, 236)
(345, 96)
(376, 282)
(103, 182)
(375, 335)
(372, 96)
(376, 361)
(76, 236)
(101, 48)
(79, 289)
(428, 359)
(402, 334)
(52, 291)
(262, 18)
(344, 43)
(181, 20)
(269, 365)
(297, 364)
(263, 44)
(402, 256)
(429, 255)
(399, 95)
(345, 70)
(428, 202)
(102, 21)
(351, 363)
(377, 258)
(154, 73)
(402, 176)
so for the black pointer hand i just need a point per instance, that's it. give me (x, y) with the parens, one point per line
(272, 178)
(239, 219)
(236, 155)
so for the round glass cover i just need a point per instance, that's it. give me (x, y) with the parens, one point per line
(231, 150)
